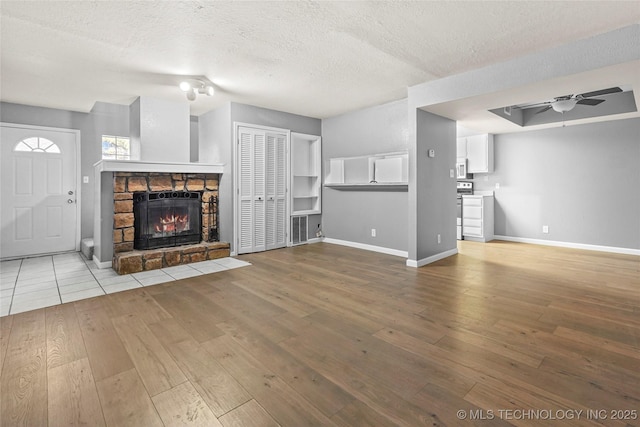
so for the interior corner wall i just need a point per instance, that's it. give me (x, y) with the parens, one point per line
(104, 119)
(435, 188)
(581, 181)
(350, 215)
(193, 139)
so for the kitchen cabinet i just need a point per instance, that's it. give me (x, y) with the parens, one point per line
(477, 217)
(478, 150)
(305, 174)
(480, 153)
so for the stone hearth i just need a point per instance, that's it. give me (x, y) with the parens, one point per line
(153, 259)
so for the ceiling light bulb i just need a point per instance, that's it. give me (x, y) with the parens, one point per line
(208, 90)
(185, 86)
(191, 95)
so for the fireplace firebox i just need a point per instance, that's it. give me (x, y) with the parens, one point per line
(166, 218)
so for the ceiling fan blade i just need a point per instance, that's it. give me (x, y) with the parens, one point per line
(542, 110)
(592, 102)
(601, 92)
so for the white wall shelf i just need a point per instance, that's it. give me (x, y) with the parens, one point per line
(381, 186)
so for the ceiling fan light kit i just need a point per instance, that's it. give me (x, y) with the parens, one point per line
(564, 105)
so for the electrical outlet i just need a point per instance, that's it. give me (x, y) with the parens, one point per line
(85, 179)
(439, 239)
(497, 185)
(545, 229)
(373, 232)
(451, 173)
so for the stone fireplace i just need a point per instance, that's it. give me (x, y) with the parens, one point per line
(167, 221)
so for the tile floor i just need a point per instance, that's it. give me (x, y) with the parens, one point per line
(32, 283)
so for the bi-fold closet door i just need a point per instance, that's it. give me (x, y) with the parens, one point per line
(262, 190)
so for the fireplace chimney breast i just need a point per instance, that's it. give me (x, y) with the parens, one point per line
(159, 130)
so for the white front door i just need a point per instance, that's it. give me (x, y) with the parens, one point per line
(39, 210)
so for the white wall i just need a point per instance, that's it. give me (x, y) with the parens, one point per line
(162, 131)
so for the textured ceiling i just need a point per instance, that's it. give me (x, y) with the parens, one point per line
(317, 59)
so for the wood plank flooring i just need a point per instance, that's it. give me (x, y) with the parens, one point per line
(323, 335)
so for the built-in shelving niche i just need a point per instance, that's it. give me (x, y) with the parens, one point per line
(306, 174)
(376, 172)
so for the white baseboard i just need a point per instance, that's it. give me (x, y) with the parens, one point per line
(316, 240)
(433, 258)
(101, 264)
(612, 249)
(366, 247)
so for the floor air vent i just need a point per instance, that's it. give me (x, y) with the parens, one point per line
(299, 230)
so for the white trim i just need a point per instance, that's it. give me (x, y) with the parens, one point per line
(101, 264)
(316, 240)
(366, 247)
(588, 247)
(236, 179)
(78, 194)
(431, 259)
(138, 166)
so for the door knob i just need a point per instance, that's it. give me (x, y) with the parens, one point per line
(70, 192)
(69, 201)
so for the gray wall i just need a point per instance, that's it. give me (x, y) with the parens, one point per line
(350, 215)
(216, 146)
(582, 181)
(104, 119)
(436, 189)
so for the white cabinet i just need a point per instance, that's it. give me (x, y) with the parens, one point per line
(305, 177)
(478, 150)
(480, 153)
(477, 218)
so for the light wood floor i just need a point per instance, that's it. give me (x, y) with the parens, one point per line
(324, 335)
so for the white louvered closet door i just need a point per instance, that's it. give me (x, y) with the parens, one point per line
(276, 191)
(262, 190)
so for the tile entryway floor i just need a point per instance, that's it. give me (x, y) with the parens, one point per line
(32, 283)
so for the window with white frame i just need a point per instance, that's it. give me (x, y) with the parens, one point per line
(116, 147)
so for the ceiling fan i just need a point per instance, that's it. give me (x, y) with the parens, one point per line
(566, 103)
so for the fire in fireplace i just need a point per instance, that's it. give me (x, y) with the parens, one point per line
(166, 218)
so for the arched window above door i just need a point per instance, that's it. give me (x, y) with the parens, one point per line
(37, 145)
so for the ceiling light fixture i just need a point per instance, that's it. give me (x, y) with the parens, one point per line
(564, 105)
(193, 87)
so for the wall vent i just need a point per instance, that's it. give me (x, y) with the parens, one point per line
(299, 229)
